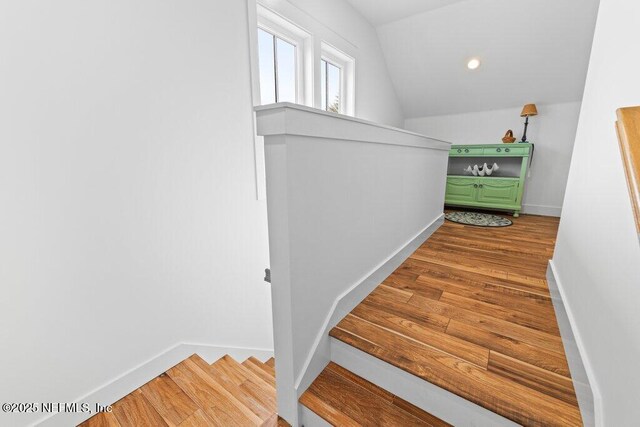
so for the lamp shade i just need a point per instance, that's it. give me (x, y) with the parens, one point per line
(529, 110)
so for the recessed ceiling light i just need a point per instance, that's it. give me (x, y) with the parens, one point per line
(473, 63)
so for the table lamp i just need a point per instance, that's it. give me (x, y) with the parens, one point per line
(527, 111)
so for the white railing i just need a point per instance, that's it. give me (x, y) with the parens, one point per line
(347, 199)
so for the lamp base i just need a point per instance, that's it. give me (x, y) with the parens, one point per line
(524, 134)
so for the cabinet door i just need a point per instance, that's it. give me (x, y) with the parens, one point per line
(501, 191)
(461, 190)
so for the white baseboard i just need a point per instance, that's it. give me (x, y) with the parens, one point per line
(435, 400)
(542, 210)
(582, 375)
(320, 354)
(116, 389)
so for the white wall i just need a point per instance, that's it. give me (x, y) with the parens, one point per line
(553, 131)
(597, 258)
(128, 221)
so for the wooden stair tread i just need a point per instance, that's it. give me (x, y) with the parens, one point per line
(342, 398)
(194, 393)
(264, 366)
(259, 369)
(437, 315)
(218, 403)
(135, 411)
(171, 403)
(470, 312)
(103, 419)
(197, 419)
(250, 383)
(231, 378)
(467, 380)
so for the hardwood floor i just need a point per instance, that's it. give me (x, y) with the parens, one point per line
(470, 312)
(194, 393)
(227, 393)
(344, 399)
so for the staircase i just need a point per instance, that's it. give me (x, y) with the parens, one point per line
(228, 393)
(462, 333)
(464, 329)
(194, 393)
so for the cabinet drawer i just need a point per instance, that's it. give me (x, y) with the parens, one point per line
(466, 151)
(507, 150)
(461, 190)
(498, 190)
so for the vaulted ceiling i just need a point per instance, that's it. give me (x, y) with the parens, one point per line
(530, 51)
(380, 12)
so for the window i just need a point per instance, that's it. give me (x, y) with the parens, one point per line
(277, 68)
(281, 66)
(290, 64)
(336, 80)
(330, 86)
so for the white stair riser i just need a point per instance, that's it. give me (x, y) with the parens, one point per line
(428, 397)
(308, 418)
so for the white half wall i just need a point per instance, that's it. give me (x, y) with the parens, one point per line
(128, 220)
(344, 197)
(553, 131)
(597, 257)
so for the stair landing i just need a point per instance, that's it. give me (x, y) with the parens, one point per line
(470, 312)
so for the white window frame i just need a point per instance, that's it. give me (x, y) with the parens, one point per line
(274, 24)
(328, 61)
(297, 84)
(346, 64)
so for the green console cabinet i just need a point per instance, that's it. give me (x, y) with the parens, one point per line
(502, 190)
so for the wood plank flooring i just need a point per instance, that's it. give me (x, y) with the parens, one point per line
(227, 393)
(344, 399)
(470, 311)
(194, 393)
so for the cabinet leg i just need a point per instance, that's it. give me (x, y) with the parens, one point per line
(516, 214)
